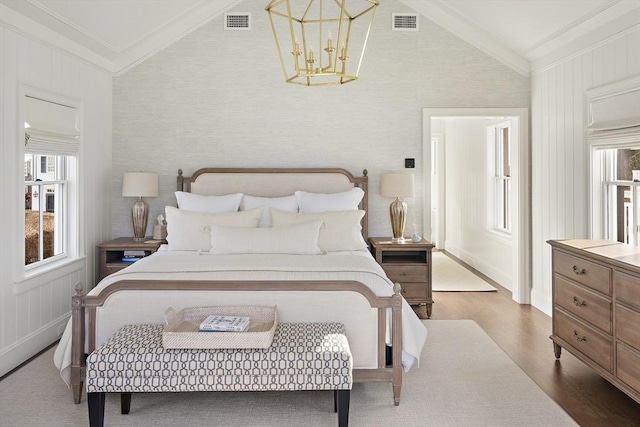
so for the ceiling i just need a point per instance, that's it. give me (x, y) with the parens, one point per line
(110, 33)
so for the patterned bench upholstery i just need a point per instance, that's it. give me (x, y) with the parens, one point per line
(303, 356)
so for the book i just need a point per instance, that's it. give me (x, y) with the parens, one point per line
(130, 259)
(218, 323)
(134, 253)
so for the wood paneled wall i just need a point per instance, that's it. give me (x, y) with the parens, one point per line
(560, 152)
(33, 309)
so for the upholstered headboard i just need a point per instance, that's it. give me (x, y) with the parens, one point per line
(274, 182)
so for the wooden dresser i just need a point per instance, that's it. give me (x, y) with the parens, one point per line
(596, 308)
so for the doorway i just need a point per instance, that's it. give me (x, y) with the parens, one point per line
(459, 212)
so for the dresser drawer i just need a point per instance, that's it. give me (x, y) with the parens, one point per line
(582, 271)
(585, 339)
(585, 304)
(403, 273)
(628, 326)
(627, 289)
(414, 292)
(628, 366)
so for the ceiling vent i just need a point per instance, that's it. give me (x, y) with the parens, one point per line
(237, 21)
(405, 22)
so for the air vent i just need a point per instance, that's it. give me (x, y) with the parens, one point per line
(237, 21)
(405, 22)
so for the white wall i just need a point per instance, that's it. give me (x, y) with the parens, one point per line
(560, 154)
(33, 310)
(218, 98)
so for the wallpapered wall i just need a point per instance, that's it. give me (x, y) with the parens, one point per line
(218, 98)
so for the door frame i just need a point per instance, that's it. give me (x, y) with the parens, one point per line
(521, 211)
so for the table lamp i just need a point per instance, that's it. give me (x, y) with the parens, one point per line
(397, 185)
(140, 184)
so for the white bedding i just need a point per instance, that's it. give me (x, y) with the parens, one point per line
(293, 306)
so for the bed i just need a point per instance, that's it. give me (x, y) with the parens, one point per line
(260, 265)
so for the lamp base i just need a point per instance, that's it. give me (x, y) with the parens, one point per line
(399, 240)
(398, 213)
(139, 217)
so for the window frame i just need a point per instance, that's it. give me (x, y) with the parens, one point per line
(500, 192)
(70, 220)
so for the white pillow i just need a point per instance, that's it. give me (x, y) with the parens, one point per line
(323, 202)
(189, 231)
(287, 204)
(210, 204)
(341, 230)
(291, 239)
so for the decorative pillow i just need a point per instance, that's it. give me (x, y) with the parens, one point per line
(323, 202)
(287, 204)
(189, 231)
(211, 204)
(291, 239)
(341, 230)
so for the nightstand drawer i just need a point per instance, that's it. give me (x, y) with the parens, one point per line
(413, 291)
(585, 339)
(585, 304)
(590, 274)
(403, 273)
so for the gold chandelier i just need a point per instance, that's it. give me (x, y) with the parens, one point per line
(304, 32)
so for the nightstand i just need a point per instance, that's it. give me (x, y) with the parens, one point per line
(111, 253)
(409, 264)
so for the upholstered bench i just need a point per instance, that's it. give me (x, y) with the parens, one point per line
(303, 356)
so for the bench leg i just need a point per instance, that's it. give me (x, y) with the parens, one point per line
(341, 401)
(125, 403)
(95, 401)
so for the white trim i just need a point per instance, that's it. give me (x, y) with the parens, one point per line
(520, 220)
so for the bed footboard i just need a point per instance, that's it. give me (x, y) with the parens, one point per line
(84, 325)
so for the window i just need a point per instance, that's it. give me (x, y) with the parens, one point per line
(501, 166)
(45, 205)
(621, 194)
(50, 171)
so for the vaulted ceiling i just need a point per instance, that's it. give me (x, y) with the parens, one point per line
(111, 34)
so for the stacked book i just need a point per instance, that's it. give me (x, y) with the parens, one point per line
(217, 323)
(133, 255)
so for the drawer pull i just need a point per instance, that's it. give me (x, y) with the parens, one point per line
(578, 337)
(579, 303)
(578, 271)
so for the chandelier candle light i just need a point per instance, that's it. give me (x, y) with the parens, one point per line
(140, 184)
(397, 185)
(298, 25)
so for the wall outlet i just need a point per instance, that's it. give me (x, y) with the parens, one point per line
(409, 163)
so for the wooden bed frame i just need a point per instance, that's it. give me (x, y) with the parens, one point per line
(84, 308)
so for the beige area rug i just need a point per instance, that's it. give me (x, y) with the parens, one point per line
(449, 276)
(464, 379)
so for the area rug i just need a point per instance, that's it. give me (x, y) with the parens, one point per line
(449, 276)
(464, 379)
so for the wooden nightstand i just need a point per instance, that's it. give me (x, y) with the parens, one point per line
(111, 253)
(408, 264)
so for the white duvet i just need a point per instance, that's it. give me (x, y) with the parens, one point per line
(350, 308)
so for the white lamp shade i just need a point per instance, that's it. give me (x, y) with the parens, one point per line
(140, 184)
(396, 185)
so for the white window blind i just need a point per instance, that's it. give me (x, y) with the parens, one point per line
(614, 114)
(50, 128)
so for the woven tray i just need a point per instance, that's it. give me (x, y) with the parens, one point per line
(182, 329)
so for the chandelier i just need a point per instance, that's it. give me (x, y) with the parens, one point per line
(321, 42)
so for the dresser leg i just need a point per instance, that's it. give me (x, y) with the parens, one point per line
(557, 350)
(429, 304)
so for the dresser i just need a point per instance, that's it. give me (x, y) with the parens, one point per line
(408, 264)
(596, 308)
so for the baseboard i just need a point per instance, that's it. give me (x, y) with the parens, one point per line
(541, 302)
(492, 273)
(19, 352)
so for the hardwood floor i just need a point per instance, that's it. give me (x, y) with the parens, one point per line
(523, 333)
